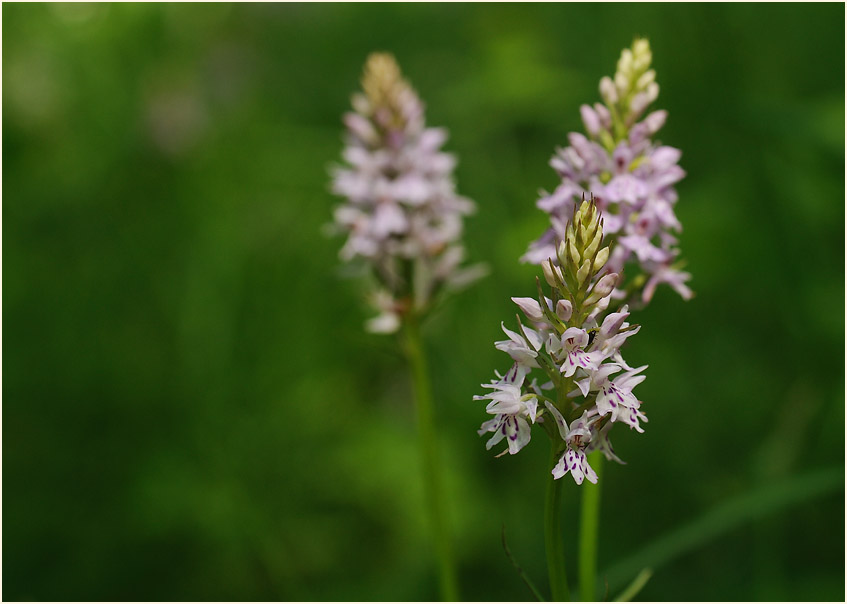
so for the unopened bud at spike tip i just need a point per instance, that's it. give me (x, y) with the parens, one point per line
(641, 46)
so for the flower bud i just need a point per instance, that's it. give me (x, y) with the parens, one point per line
(638, 105)
(603, 115)
(564, 309)
(593, 227)
(603, 288)
(570, 233)
(590, 119)
(579, 215)
(647, 78)
(530, 307)
(625, 62)
(641, 55)
(608, 91)
(361, 104)
(641, 47)
(601, 259)
(552, 273)
(387, 93)
(583, 272)
(595, 242)
(361, 128)
(655, 121)
(621, 81)
(573, 253)
(652, 91)
(586, 216)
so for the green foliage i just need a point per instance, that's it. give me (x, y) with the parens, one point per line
(191, 409)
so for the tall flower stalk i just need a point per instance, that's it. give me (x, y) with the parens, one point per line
(630, 177)
(568, 374)
(403, 222)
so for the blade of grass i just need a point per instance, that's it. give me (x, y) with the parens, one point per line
(726, 516)
(637, 585)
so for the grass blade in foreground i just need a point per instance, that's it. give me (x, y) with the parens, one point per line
(729, 515)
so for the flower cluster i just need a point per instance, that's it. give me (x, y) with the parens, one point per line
(402, 215)
(631, 176)
(576, 345)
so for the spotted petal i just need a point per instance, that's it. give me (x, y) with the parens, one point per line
(517, 432)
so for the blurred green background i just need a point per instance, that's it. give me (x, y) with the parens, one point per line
(191, 409)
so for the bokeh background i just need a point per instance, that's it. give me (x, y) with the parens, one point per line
(191, 409)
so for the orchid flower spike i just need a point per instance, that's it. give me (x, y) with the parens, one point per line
(573, 344)
(631, 177)
(401, 213)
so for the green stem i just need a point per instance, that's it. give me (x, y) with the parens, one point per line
(553, 536)
(588, 528)
(433, 486)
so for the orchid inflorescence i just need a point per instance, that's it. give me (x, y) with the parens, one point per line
(402, 215)
(631, 177)
(575, 343)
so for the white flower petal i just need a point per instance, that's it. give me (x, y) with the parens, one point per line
(531, 408)
(575, 466)
(517, 433)
(560, 421)
(533, 337)
(561, 468)
(499, 434)
(489, 426)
